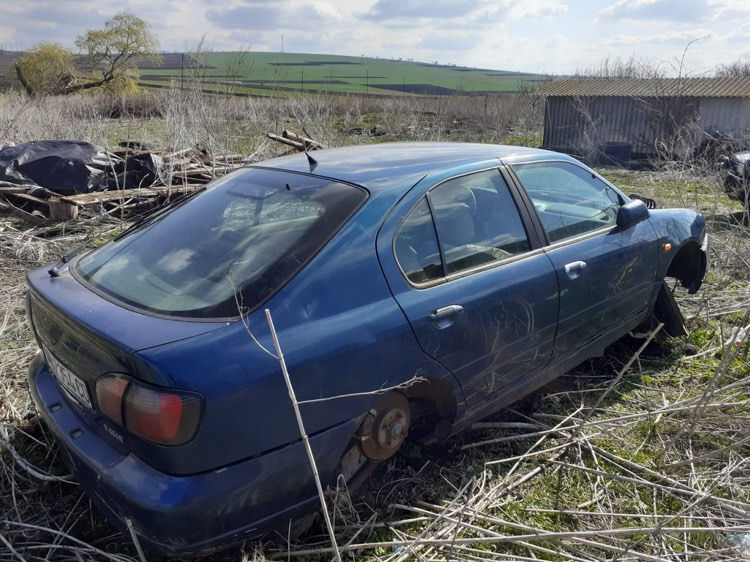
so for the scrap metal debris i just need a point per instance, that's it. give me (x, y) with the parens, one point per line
(53, 179)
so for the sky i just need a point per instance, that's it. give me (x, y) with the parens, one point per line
(552, 36)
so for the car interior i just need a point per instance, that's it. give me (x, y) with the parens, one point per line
(476, 220)
(568, 204)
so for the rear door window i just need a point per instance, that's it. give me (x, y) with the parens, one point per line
(416, 246)
(569, 199)
(226, 250)
(463, 223)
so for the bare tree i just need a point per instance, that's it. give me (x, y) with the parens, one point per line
(737, 69)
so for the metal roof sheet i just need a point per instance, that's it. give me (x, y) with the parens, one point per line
(650, 87)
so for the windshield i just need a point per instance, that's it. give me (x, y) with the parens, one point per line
(238, 242)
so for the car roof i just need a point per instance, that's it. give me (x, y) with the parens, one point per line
(384, 165)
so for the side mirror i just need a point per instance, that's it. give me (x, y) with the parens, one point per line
(632, 213)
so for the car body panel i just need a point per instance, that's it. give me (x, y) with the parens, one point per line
(181, 514)
(92, 336)
(131, 330)
(392, 166)
(677, 227)
(616, 284)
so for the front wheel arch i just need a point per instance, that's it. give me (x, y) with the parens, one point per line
(688, 266)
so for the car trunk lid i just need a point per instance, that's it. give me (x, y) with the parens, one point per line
(84, 336)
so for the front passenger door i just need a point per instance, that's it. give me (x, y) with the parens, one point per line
(606, 274)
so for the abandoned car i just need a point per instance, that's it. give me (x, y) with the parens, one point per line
(737, 177)
(414, 288)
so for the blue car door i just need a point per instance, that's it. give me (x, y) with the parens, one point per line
(479, 293)
(607, 275)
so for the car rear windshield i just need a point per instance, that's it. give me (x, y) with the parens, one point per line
(227, 249)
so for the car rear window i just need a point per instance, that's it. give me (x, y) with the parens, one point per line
(230, 247)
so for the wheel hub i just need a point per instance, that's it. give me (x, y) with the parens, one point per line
(386, 427)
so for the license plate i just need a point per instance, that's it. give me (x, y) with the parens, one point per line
(71, 383)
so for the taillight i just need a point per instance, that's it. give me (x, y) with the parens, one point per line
(160, 416)
(167, 417)
(109, 392)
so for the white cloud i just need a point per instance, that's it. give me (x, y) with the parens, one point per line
(6, 33)
(538, 9)
(681, 37)
(673, 10)
(724, 8)
(655, 10)
(535, 35)
(556, 41)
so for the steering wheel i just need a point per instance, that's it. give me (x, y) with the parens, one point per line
(604, 213)
(588, 200)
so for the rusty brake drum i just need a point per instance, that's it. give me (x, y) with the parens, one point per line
(386, 426)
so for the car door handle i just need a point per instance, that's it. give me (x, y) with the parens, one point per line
(443, 317)
(574, 268)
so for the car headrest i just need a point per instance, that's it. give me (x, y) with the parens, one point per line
(455, 224)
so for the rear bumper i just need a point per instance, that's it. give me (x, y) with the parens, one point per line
(187, 514)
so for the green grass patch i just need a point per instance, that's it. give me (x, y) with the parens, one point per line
(268, 73)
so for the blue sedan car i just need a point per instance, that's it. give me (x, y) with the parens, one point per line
(474, 273)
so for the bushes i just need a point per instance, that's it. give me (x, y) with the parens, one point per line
(228, 122)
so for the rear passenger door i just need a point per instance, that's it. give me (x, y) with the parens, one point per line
(479, 294)
(606, 274)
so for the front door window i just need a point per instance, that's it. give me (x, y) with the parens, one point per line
(569, 200)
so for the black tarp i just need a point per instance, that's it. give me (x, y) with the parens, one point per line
(69, 167)
(139, 170)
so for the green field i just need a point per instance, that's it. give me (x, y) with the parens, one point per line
(262, 73)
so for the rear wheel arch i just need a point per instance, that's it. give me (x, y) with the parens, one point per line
(434, 406)
(688, 266)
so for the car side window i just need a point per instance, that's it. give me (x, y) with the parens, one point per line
(477, 221)
(416, 246)
(569, 200)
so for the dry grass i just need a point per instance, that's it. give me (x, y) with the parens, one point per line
(642, 454)
(228, 124)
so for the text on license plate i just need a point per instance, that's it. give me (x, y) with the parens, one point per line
(68, 380)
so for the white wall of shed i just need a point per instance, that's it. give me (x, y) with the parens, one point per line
(725, 115)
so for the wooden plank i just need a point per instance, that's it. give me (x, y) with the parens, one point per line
(102, 196)
(62, 210)
(278, 138)
(30, 198)
(34, 218)
(83, 199)
(4, 190)
(308, 143)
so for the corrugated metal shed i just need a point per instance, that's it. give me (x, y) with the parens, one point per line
(583, 116)
(637, 87)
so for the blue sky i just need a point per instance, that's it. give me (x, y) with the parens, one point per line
(555, 36)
